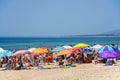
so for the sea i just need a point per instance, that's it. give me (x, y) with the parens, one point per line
(14, 43)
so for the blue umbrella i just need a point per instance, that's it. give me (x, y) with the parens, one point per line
(2, 54)
(87, 50)
(6, 53)
(107, 48)
(109, 54)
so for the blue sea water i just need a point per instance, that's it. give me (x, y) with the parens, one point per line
(25, 43)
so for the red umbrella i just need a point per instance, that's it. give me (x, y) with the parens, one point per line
(45, 47)
(74, 50)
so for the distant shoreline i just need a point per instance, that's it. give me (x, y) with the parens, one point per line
(94, 36)
(72, 36)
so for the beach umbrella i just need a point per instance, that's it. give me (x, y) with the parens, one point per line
(21, 52)
(39, 51)
(97, 47)
(45, 47)
(74, 50)
(57, 49)
(31, 49)
(81, 45)
(2, 50)
(87, 50)
(64, 52)
(6, 53)
(2, 54)
(67, 46)
(109, 54)
(107, 48)
(118, 49)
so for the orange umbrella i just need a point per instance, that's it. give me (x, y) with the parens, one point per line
(39, 51)
(64, 52)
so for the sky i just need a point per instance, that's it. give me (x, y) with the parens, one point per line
(39, 18)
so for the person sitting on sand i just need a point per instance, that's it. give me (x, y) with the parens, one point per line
(71, 60)
(19, 65)
(95, 59)
(109, 62)
(77, 60)
(48, 58)
(29, 62)
(13, 62)
(8, 64)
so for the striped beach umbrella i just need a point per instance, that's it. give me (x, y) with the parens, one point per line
(107, 48)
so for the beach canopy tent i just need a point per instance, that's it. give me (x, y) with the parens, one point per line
(64, 52)
(109, 54)
(21, 52)
(107, 48)
(6, 53)
(81, 45)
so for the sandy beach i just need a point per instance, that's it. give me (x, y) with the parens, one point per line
(80, 72)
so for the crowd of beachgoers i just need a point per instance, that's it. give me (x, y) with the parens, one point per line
(68, 57)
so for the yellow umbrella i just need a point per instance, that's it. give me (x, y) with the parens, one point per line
(64, 52)
(81, 45)
(39, 51)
